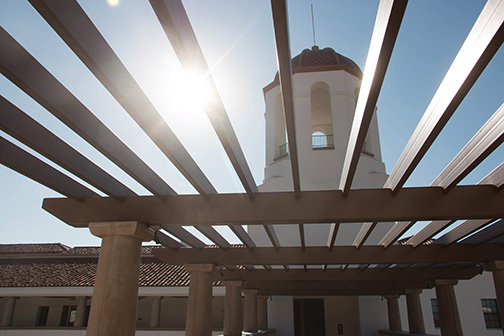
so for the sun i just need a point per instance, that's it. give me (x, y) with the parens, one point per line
(193, 89)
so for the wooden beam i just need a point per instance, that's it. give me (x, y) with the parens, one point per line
(165, 240)
(214, 236)
(486, 140)
(173, 18)
(387, 24)
(281, 26)
(28, 165)
(492, 231)
(339, 285)
(496, 177)
(23, 128)
(339, 255)
(331, 292)
(302, 235)
(481, 44)
(72, 24)
(396, 232)
(364, 234)
(30, 76)
(270, 231)
(333, 232)
(462, 230)
(364, 205)
(184, 235)
(242, 235)
(429, 231)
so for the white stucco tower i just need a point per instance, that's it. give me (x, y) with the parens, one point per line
(326, 85)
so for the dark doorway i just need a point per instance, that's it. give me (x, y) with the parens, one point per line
(309, 317)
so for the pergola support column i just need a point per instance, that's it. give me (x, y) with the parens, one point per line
(115, 294)
(233, 309)
(80, 318)
(8, 313)
(155, 312)
(250, 313)
(449, 318)
(394, 315)
(415, 315)
(199, 306)
(262, 312)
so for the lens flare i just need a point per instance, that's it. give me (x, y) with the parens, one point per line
(113, 3)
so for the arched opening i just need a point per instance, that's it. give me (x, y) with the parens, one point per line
(321, 116)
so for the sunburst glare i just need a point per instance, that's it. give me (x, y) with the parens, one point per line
(113, 3)
(193, 90)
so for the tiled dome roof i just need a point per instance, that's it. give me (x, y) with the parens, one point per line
(322, 57)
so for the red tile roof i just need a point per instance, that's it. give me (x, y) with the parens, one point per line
(57, 265)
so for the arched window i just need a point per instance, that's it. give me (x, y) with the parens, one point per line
(321, 116)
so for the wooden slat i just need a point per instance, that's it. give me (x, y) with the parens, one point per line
(302, 235)
(395, 232)
(491, 232)
(20, 126)
(270, 231)
(363, 234)
(481, 44)
(214, 236)
(387, 24)
(73, 25)
(167, 241)
(182, 234)
(344, 255)
(486, 140)
(464, 229)
(363, 205)
(26, 164)
(281, 26)
(179, 31)
(242, 235)
(29, 75)
(496, 177)
(430, 230)
(333, 232)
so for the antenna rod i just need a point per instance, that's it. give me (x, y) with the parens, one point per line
(313, 25)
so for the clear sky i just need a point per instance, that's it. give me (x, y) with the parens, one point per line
(238, 42)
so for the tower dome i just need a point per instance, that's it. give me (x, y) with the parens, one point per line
(316, 59)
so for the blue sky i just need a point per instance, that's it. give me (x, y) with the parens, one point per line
(237, 40)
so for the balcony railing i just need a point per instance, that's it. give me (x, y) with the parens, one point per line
(283, 150)
(322, 141)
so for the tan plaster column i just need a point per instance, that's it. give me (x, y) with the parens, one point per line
(250, 313)
(415, 315)
(80, 318)
(155, 312)
(199, 306)
(115, 294)
(394, 315)
(497, 269)
(262, 312)
(449, 319)
(233, 309)
(8, 313)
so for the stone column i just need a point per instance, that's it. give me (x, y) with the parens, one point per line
(250, 314)
(8, 313)
(199, 306)
(497, 269)
(80, 318)
(415, 315)
(115, 294)
(449, 319)
(262, 312)
(394, 316)
(155, 312)
(233, 309)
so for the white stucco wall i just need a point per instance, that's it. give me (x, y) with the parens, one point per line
(281, 315)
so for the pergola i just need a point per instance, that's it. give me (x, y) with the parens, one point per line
(124, 219)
